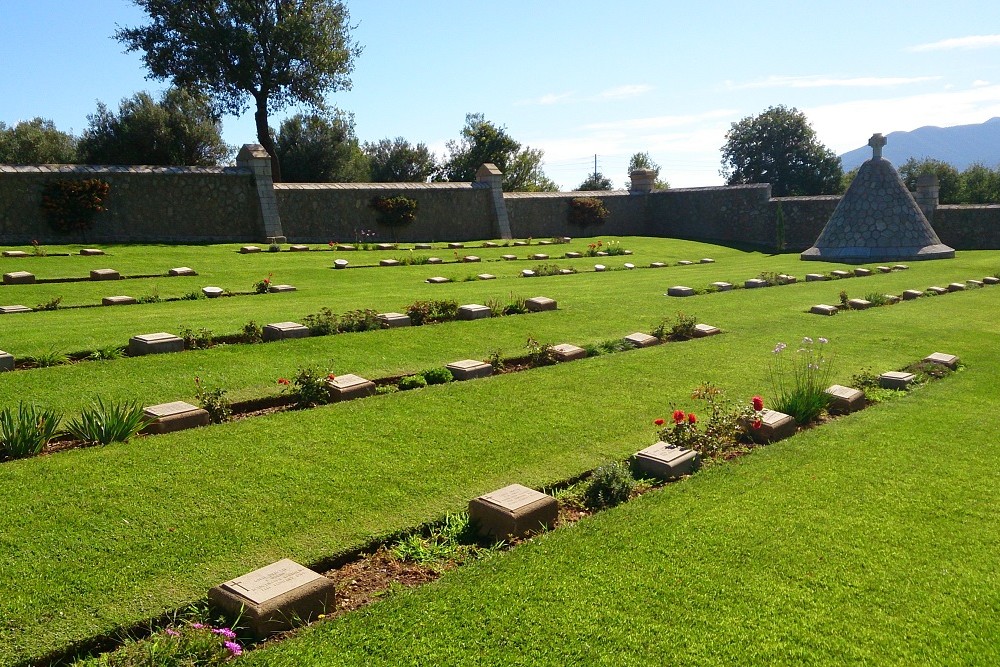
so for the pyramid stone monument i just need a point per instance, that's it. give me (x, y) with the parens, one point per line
(877, 220)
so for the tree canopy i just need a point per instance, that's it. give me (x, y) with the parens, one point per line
(36, 141)
(481, 142)
(180, 129)
(596, 181)
(949, 178)
(642, 160)
(271, 53)
(399, 161)
(779, 147)
(321, 149)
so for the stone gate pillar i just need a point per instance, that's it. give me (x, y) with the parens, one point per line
(255, 158)
(489, 175)
(928, 191)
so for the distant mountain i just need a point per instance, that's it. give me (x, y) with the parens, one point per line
(960, 146)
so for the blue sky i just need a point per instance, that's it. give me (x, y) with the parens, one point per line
(575, 77)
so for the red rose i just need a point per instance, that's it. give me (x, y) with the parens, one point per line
(658, 422)
(283, 381)
(758, 403)
(331, 376)
(678, 416)
(691, 418)
(756, 423)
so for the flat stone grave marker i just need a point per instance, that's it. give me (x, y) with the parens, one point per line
(537, 304)
(539, 256)
(388, 262)
(896, 380)
(527, 273)
(823, 309)
(7, 310)
(422, 246)
(657, 265)
(755, 283)
(508, 258)
(393, 320)
(956, 287)
(455, 246)
(278, 289)
(340, 263)
(348, 387)
(841, 274)
(722, 286)
(568, 352)
(469, 369)
(991, 280)
(118, 300)
(706, 260)
(665, 461)
(900, 267)
(437, 280)
(626, 252)
(154, 343)
(91, 252)
(785, 279)
(545, 242)
(182, 271)
(520, 243)
(944, 359)
(703, 330)
(15, 253)
(343, 247)
(601, 253)
(861, 271)
(18, 278)
(212, 292)
(473, 311)
(434, 260)
(974, 283)
(385, 246)
(513, 510)
(640, 339)
(566, 272)
(910, 294)
(890, 298)
(573, 255)
(283, 330)
(629, 265)
(774, 426)
(490, 244)
(937, 290)
(298, 248)
(104, 274)
(680, 290)
(816, 277)
(175, 416)
(600, 267)
(6, 361)
(684, 262)
(883, 269)
(249, 249)
(276, 598)
(859, 304)
(486, 276)
(469, 259)
(844, 400)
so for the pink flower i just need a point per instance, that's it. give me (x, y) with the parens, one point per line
(224, 632)
(172, 633)
(197, 626)
(234, 648)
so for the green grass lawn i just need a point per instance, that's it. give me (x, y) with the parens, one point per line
(98, 538)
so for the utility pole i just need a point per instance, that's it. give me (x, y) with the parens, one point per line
(595, 167)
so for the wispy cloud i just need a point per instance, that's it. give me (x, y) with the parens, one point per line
(547, 99)
(822, 81)
(959, 43)
(661, 122)
(623, 92)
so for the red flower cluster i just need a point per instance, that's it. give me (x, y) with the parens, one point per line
(658, 422)
(284, 381)
(331, 376)
(758, 403)
(678, 416)
(692, 419)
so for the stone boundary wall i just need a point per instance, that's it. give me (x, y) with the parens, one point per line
(805, 218)
(323, 212)
(968, 227)
(726, 214)
(145, 205)
(545, 214)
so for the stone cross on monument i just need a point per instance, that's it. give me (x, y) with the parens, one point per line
(877, 142)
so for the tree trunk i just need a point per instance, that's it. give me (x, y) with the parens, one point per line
(264, 137)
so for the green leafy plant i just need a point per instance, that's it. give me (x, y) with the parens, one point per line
(614, 248)
(386, 389)
(453, 541)
(878, 299)
(412, 382)
(439, 375)
(409, 259)
(586, 211)
(51, 357)
(107, 353)
(193, 295)
(252, 333)
(308, 388)
(724, 431)
(180, 645)
(359, 320)
(427, 312)
(496, 361)
(682, 328)
(394, 211)
(153, 297)
(37, 250)
(610, 485)
(196, 340)
(51, 304)
(845, 300)
(70, 205)
(799, 379)
(594, 248)
(106, 423)
(322, 323)
(263, 286)
(549, 270)
(26, 431)
(540, 354)
(516, 305)
(213, 401)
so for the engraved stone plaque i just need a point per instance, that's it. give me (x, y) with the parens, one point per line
(271, 581)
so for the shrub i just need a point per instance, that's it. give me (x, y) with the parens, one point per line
(412, 382)
(252, 333)
(426, 312)
(359, 320)
(214, 402)
(394, 211)
(681, 329)
(51, 304)
(103, 424)
(263, 286)
(496, 361)
(70, 205)
(37, 250)
(724, 430)
(540, 354)
(586, 211)
(610, 485)
(154, 297)
(547, 269)
(193, 295)
(196, 340)
(386, 389)
(515, 306)
(26, 431)
(322, 323)
(409, 259)
(844, 299)
(800, 383)
(52, 357)
(614, 248)
(439, 375)
(593, 249)
(308, 388)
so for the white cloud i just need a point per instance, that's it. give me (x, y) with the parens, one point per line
(821, 81)
(623, 92)
(547, 99)
(959, 43)
(660, 122)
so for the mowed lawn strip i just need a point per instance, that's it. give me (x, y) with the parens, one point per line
(871, 540)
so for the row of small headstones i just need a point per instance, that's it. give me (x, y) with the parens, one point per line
(345, 247)
(785, 279)
(907, 295)
(86, 252)
(268, 598)
(531, 273)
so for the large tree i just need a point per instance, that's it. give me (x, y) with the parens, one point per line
(949, 178)
(596, 181)
(483, 142)
(780, 147)
(642, 160)
(321, 149)
(180, 129)
(36, 141)
(399, 161)
(270, 53)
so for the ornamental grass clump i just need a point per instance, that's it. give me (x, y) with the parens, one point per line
(102, 424)
(26, 430)
(799, 379)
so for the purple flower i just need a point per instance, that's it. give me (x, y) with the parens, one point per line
(197, 626)
(807, 340)
(225, 632)
(234, 648)
(779, 347)
(824, 341)
(172, 633)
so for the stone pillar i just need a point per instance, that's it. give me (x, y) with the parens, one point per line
(643, 181)
(491, 177)
(255, 158)
(926, 195)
